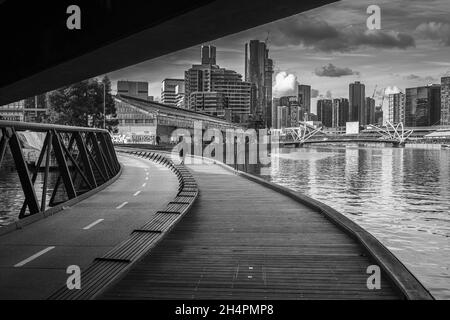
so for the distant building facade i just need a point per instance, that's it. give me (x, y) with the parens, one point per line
(212, 103)
(180, 96)
(339, 112)
(423, 106)
(397, 108)
(259, 72)
(293, 110)
(138, 89)
(445, 100)
(370, 110)
(208, 77)
(304, 98)
(282, 117)
(357, 103)
(325, 112)
(13, 111)
(168, 91)
(379, 117)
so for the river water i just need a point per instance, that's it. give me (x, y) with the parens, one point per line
(400, 195)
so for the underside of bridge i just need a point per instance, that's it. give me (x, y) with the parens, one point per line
(41, 54)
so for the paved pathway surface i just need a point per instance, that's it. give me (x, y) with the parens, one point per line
(33, 261)
(244, 241)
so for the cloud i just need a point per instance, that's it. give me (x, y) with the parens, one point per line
(391, 90)
(321, 36)
(314, 93)
(414, 77)
(330, 70)
(285, 85)
(435, 30)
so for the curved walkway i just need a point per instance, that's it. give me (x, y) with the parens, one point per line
(33, 261)
(242, 240)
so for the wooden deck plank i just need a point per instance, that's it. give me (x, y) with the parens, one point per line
(244, 241)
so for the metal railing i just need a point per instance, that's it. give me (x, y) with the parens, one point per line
(82, 158)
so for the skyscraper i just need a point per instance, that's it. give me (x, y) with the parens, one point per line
(304, 97)
(340, 112)
(370, 110)
(208, 55)
(168, 92)
(422, 106)
(219, 82)
(397, 108)
(325, 112)
(357, 103)
(259, 72)
(293, 109)
(445, 100)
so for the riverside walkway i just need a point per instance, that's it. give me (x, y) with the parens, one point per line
(243, 240)
(217, 235)
(33, 260)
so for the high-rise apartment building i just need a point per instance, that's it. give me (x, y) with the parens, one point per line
(339, 112)
(357, 103)
(209, 77)
(325, 112)
(212, 103)
(259, 72)
(423, 106)
(168, 91)
(138, 89)
(397, 108)
(445, 100)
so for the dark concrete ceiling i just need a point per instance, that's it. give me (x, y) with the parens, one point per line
(40, 54)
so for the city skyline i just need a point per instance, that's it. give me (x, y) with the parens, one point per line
(330, 47)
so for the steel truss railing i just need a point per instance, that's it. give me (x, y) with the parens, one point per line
(84, 159)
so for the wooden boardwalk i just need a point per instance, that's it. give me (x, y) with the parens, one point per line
(242, 240)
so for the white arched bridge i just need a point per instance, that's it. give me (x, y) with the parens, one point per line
(305, 133)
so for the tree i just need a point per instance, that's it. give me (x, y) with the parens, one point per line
(81, 104)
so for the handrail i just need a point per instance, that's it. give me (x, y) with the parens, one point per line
(41, 127)
(83, 158)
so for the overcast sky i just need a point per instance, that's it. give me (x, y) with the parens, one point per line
(329, 47)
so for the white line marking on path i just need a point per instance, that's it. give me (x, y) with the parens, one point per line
(93, 224)
(146, 178)
(34, 256)
(144, 185)
(137, 193)
(122, 205)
